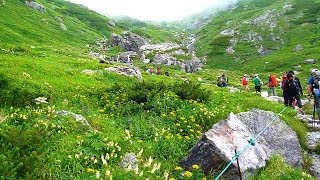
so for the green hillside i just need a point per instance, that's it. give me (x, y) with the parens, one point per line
(277, 26)
(59, 122)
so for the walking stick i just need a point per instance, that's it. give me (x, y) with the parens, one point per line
(314, 114)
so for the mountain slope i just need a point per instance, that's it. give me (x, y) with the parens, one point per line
(259, 36)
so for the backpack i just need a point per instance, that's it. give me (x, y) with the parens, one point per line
(316, 79)
(283, 83)
(274, 81)
(244, 81)
(292, 87)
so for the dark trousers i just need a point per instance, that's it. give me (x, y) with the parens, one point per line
(258, 88)
(295, 97)
(285, 98)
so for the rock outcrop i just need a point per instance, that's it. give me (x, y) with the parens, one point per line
(128, 41)
(216, 146)
(159, 47)
(129, 162)
(77, 117)
(36, 6)
(315, 168)
(192, 66)
(126, 71)
(164, 59)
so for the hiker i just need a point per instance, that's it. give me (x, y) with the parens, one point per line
(283, 87)
(313, 89)
(150, 70)
(222, 81)
(166, 73)
(245, 83)
(158, 71)
(273, 82)
(293, 92)
(257, 83)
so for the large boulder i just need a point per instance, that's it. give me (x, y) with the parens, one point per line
(192, 66)
(164, 59)
(128, 41)
(126, 71)
(159, 47)
(126, 56)
(216, 147)
(315, 168)
(36, 6)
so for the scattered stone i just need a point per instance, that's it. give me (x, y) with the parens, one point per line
(200, 79)
(126, 71)
(216, 146)
(111, 23)
(315, 168)
(287, 6)
(229, 32)
(77, 117)
(63, 26)
(41, 100)
(179, 52)
(91, 72)
(268, 18)
(252, 36)
(192, 66)
(128, 41)
(159, 47)
(146, 61)
(164, 59)
(230, 50)
(129, 162)
(298, 48)
(36, 6)
(313, 139)
(233, 89)
(310, 61)
(263, 52)
(297, 67)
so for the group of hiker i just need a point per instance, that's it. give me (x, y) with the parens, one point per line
(151, 71)
(289, 83)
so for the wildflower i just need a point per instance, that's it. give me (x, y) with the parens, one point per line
(178, 168)
(189, 126)
(140, 153)
(166, 175)
(191, 130)
(97, 174)
(89, 170)
(188, 173)
(204, 178)
(195, 166)
(187, 137)
(178, 124)
(156, 167)
(172, 179)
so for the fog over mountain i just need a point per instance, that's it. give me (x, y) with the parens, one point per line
(164, 10)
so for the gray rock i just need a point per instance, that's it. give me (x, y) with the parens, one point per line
(315, 168)
(263, 52)
(126, 56)
(252, 36)
(146, 61)
(63, 26)
(77, 117)
(313, 139)
(128, 41)
(230, 50)
(310, 61)
(164, 59)
(216, 146)
(111, 23)
(298, 48)
(233, 89)
(129, 162)
(192, 66)
(126, 71)
(229, 32)
(36, 6)
(268, 18)
(159, 47)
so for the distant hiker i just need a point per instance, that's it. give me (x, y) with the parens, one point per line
(298, 81)
(166, 73)
(245, 82)
(273, 82)
(222, 81)
(158, 71)
(313, 89)
(150, 70)
(257, 83)
(293, 91)
(283, 87)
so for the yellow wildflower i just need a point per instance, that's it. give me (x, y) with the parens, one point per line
(172, 179)
(89, 170)
(178, 168)
(178, 124)
(188, 173)
(191, 130)
(187, 137)
(195, 166)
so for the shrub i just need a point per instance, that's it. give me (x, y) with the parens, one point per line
(191, 91)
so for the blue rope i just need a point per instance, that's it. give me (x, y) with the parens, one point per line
(252, 142)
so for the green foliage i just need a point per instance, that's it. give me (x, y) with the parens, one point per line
(278, 169)
(191, 91)
(318, 149)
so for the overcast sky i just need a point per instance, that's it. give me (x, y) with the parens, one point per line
(155, 10)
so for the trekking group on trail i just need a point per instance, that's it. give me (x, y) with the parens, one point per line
(290, 85)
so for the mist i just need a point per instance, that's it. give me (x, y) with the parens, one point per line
(153, 10)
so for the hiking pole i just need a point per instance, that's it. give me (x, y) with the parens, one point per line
(314, 114)
(239, 170)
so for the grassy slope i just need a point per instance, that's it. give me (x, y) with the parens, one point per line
(36, 143)
(290, 28)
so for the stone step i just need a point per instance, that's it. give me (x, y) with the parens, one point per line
(315, 168)
(313, 139)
